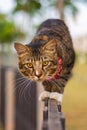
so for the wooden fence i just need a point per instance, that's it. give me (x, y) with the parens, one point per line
(53, 119)
(16, 115)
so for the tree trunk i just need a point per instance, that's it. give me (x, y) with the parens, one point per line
(2, 55)
(60, 6)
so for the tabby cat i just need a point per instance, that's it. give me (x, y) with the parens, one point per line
(48, 58)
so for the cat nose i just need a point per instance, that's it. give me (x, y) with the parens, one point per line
(38, 74)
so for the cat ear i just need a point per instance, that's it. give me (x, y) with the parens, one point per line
(20, 48)
(49, 46)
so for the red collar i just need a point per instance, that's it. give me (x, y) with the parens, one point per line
(56, 76)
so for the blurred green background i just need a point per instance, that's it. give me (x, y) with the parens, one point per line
(19, 20)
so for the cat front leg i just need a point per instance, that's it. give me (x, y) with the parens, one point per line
(44, 95)
(52, 95)
(57, 96)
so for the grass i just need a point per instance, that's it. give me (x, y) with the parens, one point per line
(75, 99)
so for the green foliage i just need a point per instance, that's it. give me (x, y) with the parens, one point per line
(32, 6)
(63, 6)
(8, 30)
(28, 6)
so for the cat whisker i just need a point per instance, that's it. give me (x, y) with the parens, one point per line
(27, 86)
(19, 86)
(20, 93)
(22, 90)
(20, 81)
(20, 78)
(15, 83)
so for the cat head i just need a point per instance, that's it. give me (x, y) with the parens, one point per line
(37, 62)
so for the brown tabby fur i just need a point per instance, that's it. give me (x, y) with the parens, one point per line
(52, 41)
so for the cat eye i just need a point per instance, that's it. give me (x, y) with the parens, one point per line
(45, 63)
(30, 65)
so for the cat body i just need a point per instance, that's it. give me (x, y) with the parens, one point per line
(49, 57)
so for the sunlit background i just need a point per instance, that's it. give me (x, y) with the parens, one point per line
(19, 20)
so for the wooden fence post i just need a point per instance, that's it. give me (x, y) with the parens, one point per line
(9, 100)
(52, 118)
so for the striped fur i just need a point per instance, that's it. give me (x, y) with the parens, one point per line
(52, 41)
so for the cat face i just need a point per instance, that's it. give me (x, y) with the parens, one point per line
(37, 63)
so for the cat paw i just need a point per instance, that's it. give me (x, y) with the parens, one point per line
(44, 95)
(57, 96)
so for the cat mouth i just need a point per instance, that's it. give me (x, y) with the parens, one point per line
(39, 79)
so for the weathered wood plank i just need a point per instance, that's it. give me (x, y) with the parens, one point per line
(45, 116)
(53, 116)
